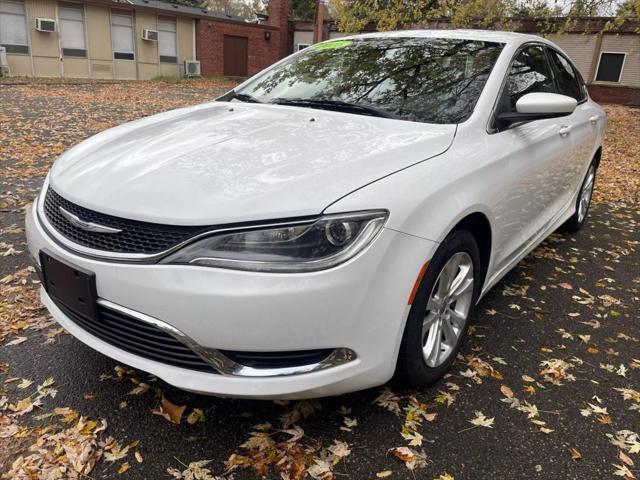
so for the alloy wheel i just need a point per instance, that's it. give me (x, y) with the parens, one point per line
(585, 194)
(447, 309)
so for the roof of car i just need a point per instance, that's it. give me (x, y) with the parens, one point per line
(482, 35)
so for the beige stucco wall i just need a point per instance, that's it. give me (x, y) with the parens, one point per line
(44, 59)
(46, 67)
(20, 65)
(629, 44)
(302, 37)
(169, 70)
(147, 51)
(42, 44)
(76, 67)
(101, 68)
(184, 28)
(98, 27)
(125, 69)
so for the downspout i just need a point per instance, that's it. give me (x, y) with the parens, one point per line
(318, 23)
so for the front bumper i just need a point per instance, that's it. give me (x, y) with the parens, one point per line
(360, 305)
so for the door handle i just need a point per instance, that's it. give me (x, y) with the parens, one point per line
(594, 119)
(564, 130)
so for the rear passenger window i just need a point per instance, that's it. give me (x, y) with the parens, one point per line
(530, 73)
(566, 77)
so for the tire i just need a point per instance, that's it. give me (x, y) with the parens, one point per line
(420, 362)
(579, 218)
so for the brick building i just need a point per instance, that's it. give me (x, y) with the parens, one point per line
(236, 48)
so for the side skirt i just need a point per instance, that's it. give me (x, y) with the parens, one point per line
(528, 248)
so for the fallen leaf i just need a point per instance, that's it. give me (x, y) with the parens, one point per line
(168, 410)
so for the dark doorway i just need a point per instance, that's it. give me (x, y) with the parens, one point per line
(235, 56)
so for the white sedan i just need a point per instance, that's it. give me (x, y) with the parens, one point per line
(327, 224)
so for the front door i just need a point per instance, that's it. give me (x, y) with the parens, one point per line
(235, 51)
(534, 155)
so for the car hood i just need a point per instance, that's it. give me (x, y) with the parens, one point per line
(222, 162)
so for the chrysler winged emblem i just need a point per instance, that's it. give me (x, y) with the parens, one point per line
(87, 226)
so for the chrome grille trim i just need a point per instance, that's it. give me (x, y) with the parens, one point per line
(225, 365)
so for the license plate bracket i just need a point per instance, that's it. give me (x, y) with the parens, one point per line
(70, 285)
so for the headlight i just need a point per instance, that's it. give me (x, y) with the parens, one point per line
(302, 247)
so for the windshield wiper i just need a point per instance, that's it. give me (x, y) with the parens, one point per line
(337, 105)
(243, 97)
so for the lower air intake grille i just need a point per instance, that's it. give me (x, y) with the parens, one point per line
(295, 358)
(139, 338)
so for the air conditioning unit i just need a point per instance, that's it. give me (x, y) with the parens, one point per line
(192, 68)
(45, 25)
(150, 35)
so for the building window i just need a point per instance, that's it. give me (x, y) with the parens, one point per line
(301, 46)
(167, 40)
(122, 36)
(610, 67)
(72, 30)
(13, 27)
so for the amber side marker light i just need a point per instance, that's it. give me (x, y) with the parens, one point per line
(414, 290)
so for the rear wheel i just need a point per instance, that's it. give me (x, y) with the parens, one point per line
(438, 318)
(583, 202)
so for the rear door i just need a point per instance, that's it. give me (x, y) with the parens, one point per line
(235, 52)
(584, 123)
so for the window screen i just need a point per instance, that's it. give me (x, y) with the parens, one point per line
(610, 67)
(567, 78)
(72, 31)
(122, 36)
(167, 40)
(13, 27)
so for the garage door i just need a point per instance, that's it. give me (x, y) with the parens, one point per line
(235, 56)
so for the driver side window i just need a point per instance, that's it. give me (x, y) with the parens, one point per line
(529, 73)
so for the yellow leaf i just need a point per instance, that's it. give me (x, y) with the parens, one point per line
(90, 425)
(197, 415)
(625, 459)
(575, 454)
(506, 391)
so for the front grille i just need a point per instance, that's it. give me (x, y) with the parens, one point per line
(137, 337)
(136, 236)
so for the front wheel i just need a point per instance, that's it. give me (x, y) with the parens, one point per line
(444, 302)
(578, 219)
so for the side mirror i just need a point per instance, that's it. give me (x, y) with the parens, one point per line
(537, 106)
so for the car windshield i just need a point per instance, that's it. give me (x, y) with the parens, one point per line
(432, 80)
